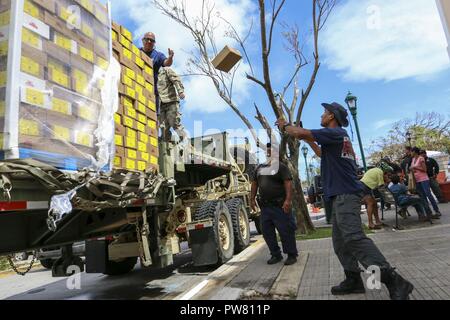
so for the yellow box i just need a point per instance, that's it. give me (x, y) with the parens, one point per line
(154, 141)
(31, 67)
(31, 9)
(141, 108)
(151, 124)
(4, 48)
(139, 62)
(32, 39)
(86, 112)
(88, 5)
(102, 63)
(142, 146)
(142, 118)
(61, 133)
(125, 42)
(145, 156)
(117, 118)
(130, 143)
(140, 127)
(131, 154)
(61, 106)
(87, 30)
(34, 97)
(117, 162)
(84, 139)
(149, 87)
(127, 81)
(143, 137)
(142, 99)
(135, 50)
(130, 164)
(130, 73)
(140, 80)
(118, 140)
(130, 112)
(87, 54)
(5, 18)
(29, 127)
(130, 133)
(151, 105)
(154, 160)
(148, 70)
(142, 165)
(130, 92)
(128, 122)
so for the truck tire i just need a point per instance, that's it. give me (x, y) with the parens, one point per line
(47, 263)
(117, 268)
(258, 225)
(241, 225)
(222, 225)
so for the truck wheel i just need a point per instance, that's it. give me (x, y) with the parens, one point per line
(241, 225)
(258, 225)
(116, 268)
(47, 263)
(222, 225)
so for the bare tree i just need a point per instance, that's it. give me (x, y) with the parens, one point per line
(203, 30)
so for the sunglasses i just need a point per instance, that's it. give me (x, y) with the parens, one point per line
(149, 40)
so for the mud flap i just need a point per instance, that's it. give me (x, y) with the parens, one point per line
(203, 244)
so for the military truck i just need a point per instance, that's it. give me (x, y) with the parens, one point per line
(200, 195)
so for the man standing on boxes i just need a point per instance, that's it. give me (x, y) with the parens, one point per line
(171, 90)
(159, 59)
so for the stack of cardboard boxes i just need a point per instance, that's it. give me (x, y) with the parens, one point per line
(136, 122)
(64, 52)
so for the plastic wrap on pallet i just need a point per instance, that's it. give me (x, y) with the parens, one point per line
(61, 84)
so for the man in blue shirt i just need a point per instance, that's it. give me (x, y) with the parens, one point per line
(342, 187)
(404, 199)
(159, 58)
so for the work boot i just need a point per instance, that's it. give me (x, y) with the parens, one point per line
(399, 288)
(352, 284)
(290, 260)
(275, 259)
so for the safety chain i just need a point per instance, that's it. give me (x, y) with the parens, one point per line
(16, 270)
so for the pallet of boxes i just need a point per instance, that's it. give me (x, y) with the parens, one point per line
(136, 134)
(53, 58)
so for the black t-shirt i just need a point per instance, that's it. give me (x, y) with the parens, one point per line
(271, 180)
(338, 163)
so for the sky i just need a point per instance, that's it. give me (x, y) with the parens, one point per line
(391, 54)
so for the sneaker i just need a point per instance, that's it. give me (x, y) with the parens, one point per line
(352, 284)
(435, 217)
(275, 259)
(399, 288)
(290, 260)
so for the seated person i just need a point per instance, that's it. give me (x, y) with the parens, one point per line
(404, 199)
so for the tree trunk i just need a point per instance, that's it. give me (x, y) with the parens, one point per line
(299, 206)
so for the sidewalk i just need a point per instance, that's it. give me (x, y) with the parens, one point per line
(421, 253)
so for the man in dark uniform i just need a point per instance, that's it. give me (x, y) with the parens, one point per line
(341, 185)
(159, 59)
(274, 182)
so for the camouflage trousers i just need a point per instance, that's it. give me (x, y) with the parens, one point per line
(170, 117)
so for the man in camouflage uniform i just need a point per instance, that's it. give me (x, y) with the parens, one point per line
(171, 90)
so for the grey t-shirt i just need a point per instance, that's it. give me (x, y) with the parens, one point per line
(271, 182)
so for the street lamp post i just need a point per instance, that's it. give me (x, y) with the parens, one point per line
(352, 106)
(311, 171)
(305, 154)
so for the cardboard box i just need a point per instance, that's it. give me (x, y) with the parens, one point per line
(101, 47)
(125, 57)
(55, 52)
(140, 127)
(79, 63)
(226, 59)
(125, 42)
(115, 26)
(128, 122)
(126, 33)
(33, 10)
(147, 59)
(130, 143)
(119, 162)
(131, 133)
(33, 61)
(152, 115)
(120, 129)
(143, 137)
(48, 5)
(131, 154)
(120, 151)
(130, 164)
(119, 140)
(58, 73)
